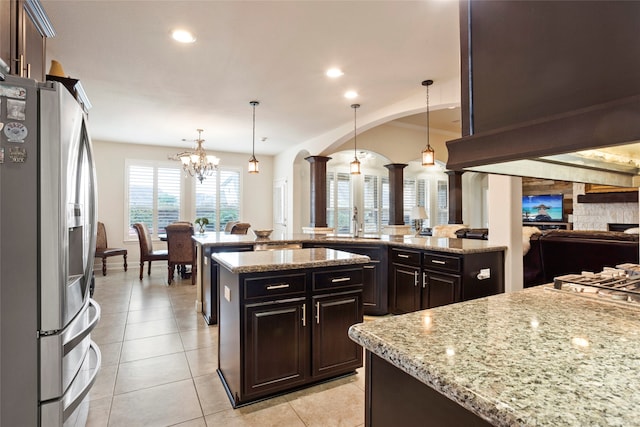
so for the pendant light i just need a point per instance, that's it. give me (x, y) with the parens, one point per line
(355, 164)
(253, 162)
(428, 155)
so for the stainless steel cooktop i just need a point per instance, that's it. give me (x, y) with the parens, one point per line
(620, 284)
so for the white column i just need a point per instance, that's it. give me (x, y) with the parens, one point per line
(504, 200)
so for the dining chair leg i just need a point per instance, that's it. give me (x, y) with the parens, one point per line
(149, 272)
(125, 261)
(142, 268)
(104, 266)
(169, 274)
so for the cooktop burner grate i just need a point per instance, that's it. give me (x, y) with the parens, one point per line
(620, 284)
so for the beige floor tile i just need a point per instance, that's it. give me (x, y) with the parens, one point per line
(149, 302)
(108, 335)
(200, 338)
(151, 372)
(337, 403)
(98, 412)
(105, 382)
(109, 320)
(213, 397)
(140, 316)
(110, 353)
(187, 321)
(274, 412)
(202, 361)
(198, 422)
(150, 329)
(150, 347)
(158, 406)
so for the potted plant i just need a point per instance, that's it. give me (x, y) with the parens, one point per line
(202, 223)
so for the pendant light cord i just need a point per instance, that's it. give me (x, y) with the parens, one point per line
(253, 148)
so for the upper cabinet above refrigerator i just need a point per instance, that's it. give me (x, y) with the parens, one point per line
(24, 29)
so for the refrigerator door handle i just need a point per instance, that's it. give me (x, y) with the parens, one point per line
(77, 398)
(77, 338)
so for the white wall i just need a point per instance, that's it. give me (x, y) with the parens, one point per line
(597, 216)
(257, 202)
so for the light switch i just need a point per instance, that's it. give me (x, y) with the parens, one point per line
(227, 293)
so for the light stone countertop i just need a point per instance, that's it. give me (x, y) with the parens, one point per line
(457, 246)
(538, 357)
(286, 259)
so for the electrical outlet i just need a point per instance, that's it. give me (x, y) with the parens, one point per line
(227, 293)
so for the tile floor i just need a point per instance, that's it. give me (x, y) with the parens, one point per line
(159, 362)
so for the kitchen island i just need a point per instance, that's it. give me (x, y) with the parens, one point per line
(284, 317)
(538, 357)
(405, 273)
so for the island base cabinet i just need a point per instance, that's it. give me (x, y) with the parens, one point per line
(394, 398)
(284, 330)
(333, 351)
(275, 347)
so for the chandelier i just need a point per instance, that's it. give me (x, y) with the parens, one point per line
(198, 163)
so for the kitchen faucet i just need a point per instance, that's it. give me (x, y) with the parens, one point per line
(355, 221)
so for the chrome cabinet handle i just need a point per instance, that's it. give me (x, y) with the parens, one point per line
(435, 261)
(403, 256)
(304, 314)
(318, 313)
(424, 279)
(341, 279)
(371, 267)
(278, 286)
(415, 278)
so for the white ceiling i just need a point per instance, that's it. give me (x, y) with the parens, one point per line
(147, 89)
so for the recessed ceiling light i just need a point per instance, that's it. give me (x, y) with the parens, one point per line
(183, 36)
(334, 72)
(350, 94)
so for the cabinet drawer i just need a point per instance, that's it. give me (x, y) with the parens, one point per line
(278, 285)
(332, 279)
(441, 262)
(405, 257)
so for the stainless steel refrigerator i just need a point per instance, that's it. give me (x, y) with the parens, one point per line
(48, 361)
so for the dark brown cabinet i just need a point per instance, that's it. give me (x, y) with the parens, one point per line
(24, 29)
(210, 274)
(375, 292)
(427, 279)
(333, 350)
(276, 346)
(281, 330)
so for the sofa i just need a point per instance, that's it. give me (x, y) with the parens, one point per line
(557, 252)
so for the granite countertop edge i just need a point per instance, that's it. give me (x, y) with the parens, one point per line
(360, 259)
(408, 242)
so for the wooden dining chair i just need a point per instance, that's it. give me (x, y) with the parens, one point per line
(104, 251)
(146, 248)
(182, 249)
(240, 228)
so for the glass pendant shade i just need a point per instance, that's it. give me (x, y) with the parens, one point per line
(354, 168)
(428, 156)
(253, 165)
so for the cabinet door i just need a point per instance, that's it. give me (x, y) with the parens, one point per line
(439, 289)
(405, 288)
(370, 285)
(276, 347)
(333, 351)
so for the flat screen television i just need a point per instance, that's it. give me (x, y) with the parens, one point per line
(542, 208)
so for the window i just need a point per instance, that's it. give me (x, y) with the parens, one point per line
(371, 195)
(409, 199)
(154, 196)
(218, 198)
(339, 201)
(443, 202)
